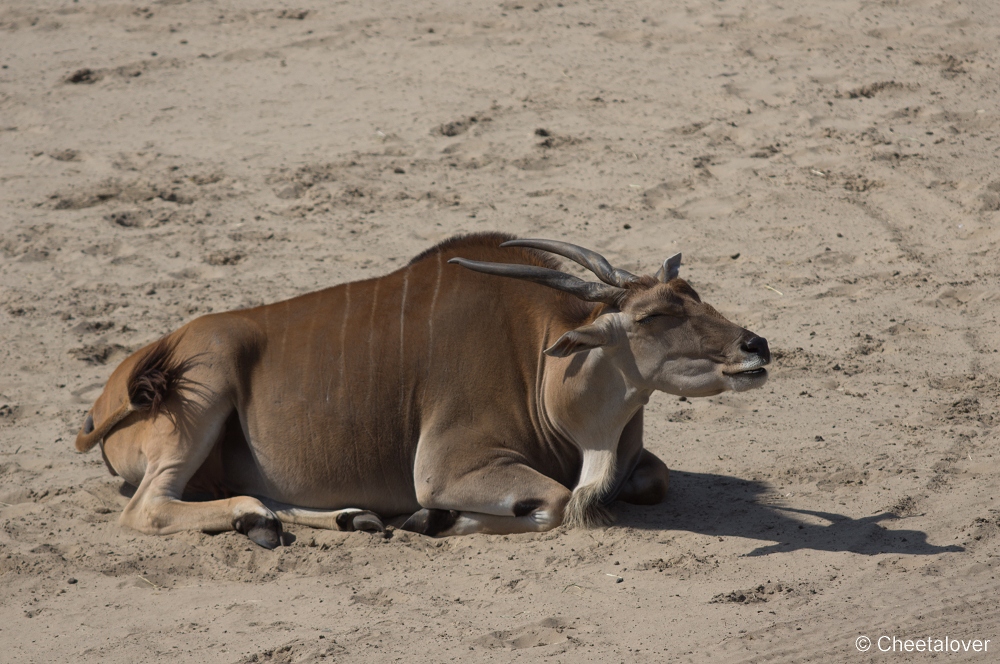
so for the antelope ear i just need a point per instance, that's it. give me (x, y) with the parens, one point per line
(585, 337)
(670, 268)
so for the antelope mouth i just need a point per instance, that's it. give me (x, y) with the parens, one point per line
(748, 369)
(748, 372)
(746, 377)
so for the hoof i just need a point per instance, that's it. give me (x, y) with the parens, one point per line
(264, 531)
(430, 522)
(364, 520)
(368, 522)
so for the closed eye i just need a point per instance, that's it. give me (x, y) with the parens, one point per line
(674, 313)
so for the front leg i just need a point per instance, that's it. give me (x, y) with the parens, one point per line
(348, 519)
(648, 483)
(497, 499)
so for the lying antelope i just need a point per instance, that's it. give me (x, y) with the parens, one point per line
(452, 398)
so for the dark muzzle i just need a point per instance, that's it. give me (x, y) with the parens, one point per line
(757, 346)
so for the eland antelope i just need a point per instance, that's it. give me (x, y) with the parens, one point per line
(478, 389)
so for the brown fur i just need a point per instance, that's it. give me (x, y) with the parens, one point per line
(470, 242)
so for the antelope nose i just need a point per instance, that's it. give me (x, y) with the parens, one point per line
(757, 346)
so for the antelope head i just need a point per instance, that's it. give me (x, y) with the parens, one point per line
(654, 328)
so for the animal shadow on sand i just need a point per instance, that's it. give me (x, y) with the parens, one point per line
(733, 507)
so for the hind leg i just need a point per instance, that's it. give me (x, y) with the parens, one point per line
(173, 445)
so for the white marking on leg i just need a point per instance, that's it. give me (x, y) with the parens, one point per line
(596, 478)
(597, 467)
(303, 516)
(247, 507)
(545, 519)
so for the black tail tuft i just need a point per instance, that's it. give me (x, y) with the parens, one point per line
(155, 377)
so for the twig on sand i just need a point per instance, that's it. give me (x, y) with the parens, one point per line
(103, 503)
(156, 587)
(774, 289)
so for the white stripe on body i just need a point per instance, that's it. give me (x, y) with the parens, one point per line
(402, 332)
(430, 316)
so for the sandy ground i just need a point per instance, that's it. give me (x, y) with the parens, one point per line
(827, 168)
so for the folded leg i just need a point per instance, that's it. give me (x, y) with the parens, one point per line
(498, 499)
(347, 519)
(648, 483)
(161, 450)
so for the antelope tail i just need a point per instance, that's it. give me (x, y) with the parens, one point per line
(154, 375)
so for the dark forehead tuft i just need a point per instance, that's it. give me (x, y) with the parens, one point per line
(682, 287)
(649, 289)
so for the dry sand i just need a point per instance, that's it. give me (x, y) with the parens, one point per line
(829, 170)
